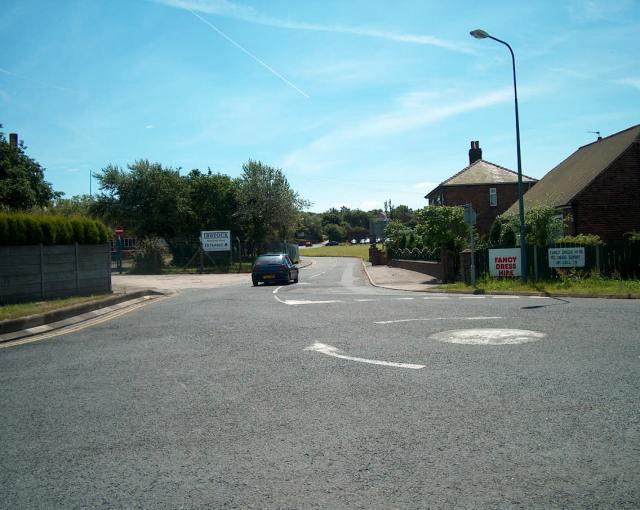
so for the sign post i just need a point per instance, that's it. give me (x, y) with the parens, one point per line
(470, 220)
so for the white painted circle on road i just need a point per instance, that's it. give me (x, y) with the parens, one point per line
(488, 336)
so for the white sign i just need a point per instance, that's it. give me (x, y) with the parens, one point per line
(566, 257)
(216, 240)
(504, 262)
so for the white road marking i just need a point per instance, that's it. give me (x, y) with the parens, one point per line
(440, 319)
(335, 352)
(436, 297)
(472, 297)
(403, 298)
(276, 290)
(488, 336)
(305, 283)
(538, 297)
(319, 274)
(295, 302)
(505, 297)
(365, 300)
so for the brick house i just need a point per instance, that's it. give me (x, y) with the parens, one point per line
(597, 188)
(491, 189)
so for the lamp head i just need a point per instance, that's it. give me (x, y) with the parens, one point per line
(479, 34)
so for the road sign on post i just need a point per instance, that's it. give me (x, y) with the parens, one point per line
(119, 230)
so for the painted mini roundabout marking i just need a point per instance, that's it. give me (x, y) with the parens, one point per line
(488, 336)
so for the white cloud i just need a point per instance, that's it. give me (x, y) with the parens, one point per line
(323, 152)
(630, 81)
(426, 186)
(149, 126)
(245, 13)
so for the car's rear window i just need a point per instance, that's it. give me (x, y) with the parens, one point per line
(263, 261)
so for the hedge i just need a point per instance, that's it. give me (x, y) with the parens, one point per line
(23, 229)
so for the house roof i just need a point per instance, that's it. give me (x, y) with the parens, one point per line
(483, 172)
(561, 185)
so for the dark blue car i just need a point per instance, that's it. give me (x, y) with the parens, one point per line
(274, 267)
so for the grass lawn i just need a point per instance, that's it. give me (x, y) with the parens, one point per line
(592, 286)
(24, 309)
(342, 250)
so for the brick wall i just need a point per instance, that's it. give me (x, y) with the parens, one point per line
(610, 206)
(478, 196)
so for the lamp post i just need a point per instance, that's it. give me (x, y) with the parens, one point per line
(481, 34)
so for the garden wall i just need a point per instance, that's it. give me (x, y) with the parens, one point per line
(37, 272)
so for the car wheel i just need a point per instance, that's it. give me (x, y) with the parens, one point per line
(296, 280)
(255, 283)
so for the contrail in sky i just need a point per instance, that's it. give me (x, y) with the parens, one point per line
(262, 63)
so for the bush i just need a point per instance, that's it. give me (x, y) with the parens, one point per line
(149, 256)
(581, 240)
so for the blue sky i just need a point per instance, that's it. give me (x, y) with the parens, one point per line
(357, 101)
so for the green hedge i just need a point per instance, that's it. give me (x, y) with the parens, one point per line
(23, 228)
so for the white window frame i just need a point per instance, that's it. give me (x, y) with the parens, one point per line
(493, 197)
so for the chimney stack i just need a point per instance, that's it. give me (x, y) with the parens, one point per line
(475, 152)
(13, 139)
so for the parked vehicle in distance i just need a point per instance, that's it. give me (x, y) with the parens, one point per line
(308, 243)
(332, 243)
(274, 267)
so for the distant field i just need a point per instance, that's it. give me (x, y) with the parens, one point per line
(342, 250)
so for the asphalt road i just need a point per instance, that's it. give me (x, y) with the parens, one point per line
(213, 398)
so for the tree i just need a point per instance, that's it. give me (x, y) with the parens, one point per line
(22, 184)
(335, 232)
(311, 224)
(331, 216)
(268, 208)
(403, 214)
(543, 225)
(78, 205)
(147, 199)
(355, 218)
(213, 200)
(442, 227)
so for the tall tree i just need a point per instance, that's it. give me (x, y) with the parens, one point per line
(147, 199)
(268, 207)
(213, 201)
(22, 184)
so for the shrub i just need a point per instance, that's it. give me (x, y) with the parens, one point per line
(149, 256)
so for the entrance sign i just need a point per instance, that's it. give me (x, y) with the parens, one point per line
(566, 257)
(216, 240)
(119, 230)
(505, 262)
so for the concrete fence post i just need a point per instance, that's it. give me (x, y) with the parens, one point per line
(77, 268)
(41, 271)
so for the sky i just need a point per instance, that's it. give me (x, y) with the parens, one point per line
(357, 101)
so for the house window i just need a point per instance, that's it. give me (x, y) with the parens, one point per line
(493, 197)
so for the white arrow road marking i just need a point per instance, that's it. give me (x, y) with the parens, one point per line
(304, 283)
(335, 352)
(319, 274)
(440, 319)
(488, 336)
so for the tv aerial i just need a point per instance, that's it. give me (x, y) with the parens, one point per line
(596, 133)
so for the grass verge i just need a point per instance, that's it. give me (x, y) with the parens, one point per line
(23, 309)
(342, 250)
(588, 286)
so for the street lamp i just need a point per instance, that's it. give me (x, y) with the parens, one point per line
(481, 34)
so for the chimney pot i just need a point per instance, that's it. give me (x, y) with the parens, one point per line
(475, 153)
